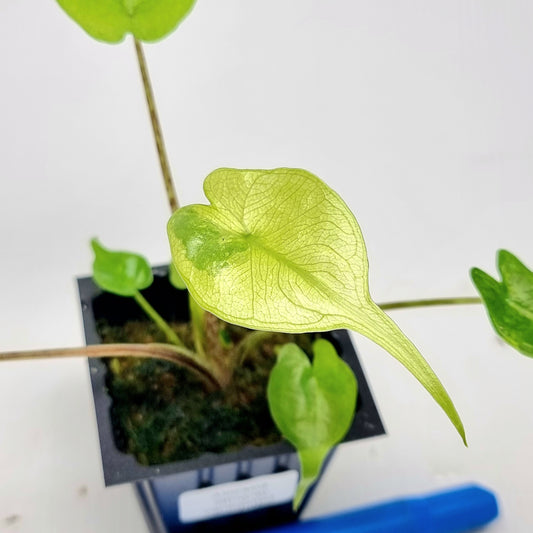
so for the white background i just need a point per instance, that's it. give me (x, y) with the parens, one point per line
(419, 113)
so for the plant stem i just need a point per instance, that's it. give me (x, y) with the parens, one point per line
(198, 325)
(158, 319)
(156, 127)
(251, 342)
(430, 302)
(174, 354)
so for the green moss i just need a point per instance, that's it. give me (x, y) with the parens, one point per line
(161, 413)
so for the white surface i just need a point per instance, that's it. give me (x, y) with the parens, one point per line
(420, 114)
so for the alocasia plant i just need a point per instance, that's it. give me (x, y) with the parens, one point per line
(277, 250)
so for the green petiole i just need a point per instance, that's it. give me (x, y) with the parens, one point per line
(156, 317)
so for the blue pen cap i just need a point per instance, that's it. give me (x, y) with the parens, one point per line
(455, 511)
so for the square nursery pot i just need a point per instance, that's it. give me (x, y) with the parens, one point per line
(242, 490)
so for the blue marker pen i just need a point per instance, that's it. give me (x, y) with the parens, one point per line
(452, 511)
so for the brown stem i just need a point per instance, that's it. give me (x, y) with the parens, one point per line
(430, 302)
(156, 127)
(174, 354)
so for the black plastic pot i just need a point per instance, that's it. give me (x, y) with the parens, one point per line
(239, 490)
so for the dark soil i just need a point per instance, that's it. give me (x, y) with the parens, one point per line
(162, 413)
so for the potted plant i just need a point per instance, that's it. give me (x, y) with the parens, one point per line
(213, 360)
(157, 419)
(226, 254)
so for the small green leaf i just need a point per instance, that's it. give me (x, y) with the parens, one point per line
(175, 279)
(312, 405)
(111, 20)
(122, 273)
(509, 302)
(278, 250)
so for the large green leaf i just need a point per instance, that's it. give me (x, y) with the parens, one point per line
(122, 273)
(312, 404)
(509, 302)
(279, 250)
(111, 20)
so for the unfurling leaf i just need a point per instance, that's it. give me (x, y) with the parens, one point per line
(509, 302)
(122, 273)
(279, 250)
(111, 20)
(312, 405)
